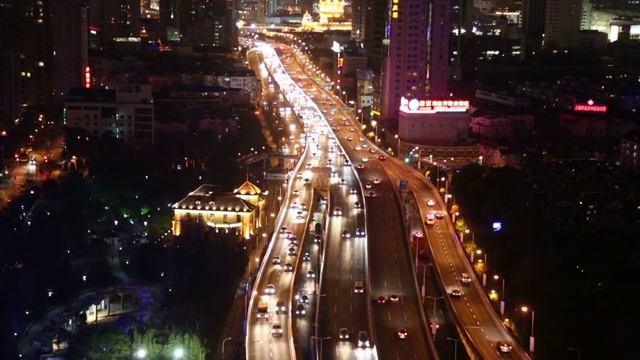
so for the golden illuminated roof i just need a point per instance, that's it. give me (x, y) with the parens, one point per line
(210, 198)
(248, 188)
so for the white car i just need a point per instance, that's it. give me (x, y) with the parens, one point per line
(270, 289)
(358, 147)
(337, 211)
(431, 202)
(361, 139)
(376, 181)
(466, 278)
(350, 138)
(365, 159)
(430, 220)
(276, 330)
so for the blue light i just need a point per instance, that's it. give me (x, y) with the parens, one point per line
(496, 226)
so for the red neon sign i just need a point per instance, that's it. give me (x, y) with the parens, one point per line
(87, 77)
(433, 106)
(590, 107)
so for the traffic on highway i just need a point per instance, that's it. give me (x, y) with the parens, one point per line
(338, 281)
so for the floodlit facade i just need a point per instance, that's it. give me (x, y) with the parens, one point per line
(433, 122)
(243, 211)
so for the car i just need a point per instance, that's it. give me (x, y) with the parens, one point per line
(308, 166)
(352, 129)
(299, 175)
(334, 173)
(317, 238)
(293, 241)
(294, 205)
(363, 339)
(371, 194)
(365, 159)
(276, 330)
(353, 191)
(347, 163)
(360, 166)
(300, 310)
(358, 147)
(358, 287)
(331, 150)
(456, 293)
(394, 299)
(372, 150)
(306, 257)
(402, 333)
(382, 158)
(292, 251)
(343, 334)
(365, 145)
(283, 229)
(270, 289)
(439, 215)
(466, 278)
(303, 207)
(431, 202)
(299, 215)
(346, 234)
(430, 220)
(343, 182)
(276, 260)
(361, 139)
(350, 138)
(381, 300)
(504, 347)
(376, 181)
(360, 232)
(357, 205)
(330, 161)
(368, 185)
(337, 211)
(311, 274)
(281, 308)
(288, 267)
(304, 299)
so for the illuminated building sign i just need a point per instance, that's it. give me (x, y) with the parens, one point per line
(433, 106)
(394, 9)
(87, 77)
(590, 107)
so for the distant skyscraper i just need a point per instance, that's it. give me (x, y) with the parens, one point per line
(70, 45)
(533, 12)
(207, 22)
(562, 22)
(417, 49)
(9, 62)
(115, 18)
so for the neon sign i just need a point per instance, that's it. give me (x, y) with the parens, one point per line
(433, 106)
(590, 107)
(87, 77)
(394, 9)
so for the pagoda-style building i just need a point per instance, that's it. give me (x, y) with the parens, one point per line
(242, 211)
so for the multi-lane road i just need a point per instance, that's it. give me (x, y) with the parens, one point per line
(380, 258)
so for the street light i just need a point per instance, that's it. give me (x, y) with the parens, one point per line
(141, 354)
(532, 339)
(455, 351)
(178, 353)
(502, 303)
(322, 339)
(435, 317)
(223, 343)
(424, 279)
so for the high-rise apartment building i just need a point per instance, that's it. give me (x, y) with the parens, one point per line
(533, 13)
(416, 65)
(9, 62)
(115, 19)
(70, 45)
(207, 22)
(562, 23)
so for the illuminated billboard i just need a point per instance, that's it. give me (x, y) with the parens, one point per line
(591, 107)
(433, 106)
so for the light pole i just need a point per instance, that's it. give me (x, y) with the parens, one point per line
(321, 339)
(502, 301)
(223, 343)
(434, 328)
(423, 291)
(455, 350)
(532, 339)
(576, 351)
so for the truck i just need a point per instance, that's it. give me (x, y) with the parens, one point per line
(263, 310)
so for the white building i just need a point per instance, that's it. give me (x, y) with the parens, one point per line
(433, 122)
(126, 113)
(242, 78)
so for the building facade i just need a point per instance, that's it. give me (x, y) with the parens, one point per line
(70, 45)
(417, 53)
(433, 122)
(125, 113)
(243, 211)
